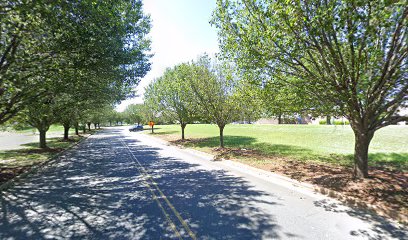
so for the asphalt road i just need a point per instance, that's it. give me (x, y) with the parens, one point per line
(120, 185)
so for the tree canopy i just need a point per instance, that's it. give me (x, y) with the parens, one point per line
(92, 52)
(349, 54)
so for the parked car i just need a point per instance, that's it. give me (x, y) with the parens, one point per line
(136, 128)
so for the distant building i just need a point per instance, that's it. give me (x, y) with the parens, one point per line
(267, 121)
(302, 119)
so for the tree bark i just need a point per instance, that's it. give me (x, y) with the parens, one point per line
(76, 128)
(84, 128)
(43, 141)
(89, 126)
(66, 131)
(183, 126)
(221, 135)
(280, 119)
(362, 143)
(328, 118)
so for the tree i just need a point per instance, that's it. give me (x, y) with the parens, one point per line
(41, 115)
(151, 110)
(349, 54)
(134, 113)
(24, 54)
(213, 87)
(99, 49)
(69, 56)
(174, 97)
(248, 99)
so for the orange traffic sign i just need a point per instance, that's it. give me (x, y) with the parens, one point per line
(151, 123)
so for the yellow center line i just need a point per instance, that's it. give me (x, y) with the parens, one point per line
(163, 196)
(172, 225)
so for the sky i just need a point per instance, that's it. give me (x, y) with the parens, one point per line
(180, 33)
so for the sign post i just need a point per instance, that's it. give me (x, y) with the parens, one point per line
(151, 124)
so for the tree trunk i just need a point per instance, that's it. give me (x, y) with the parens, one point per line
(95, 125)
(84, 128)
(43, 141)
(76, 128)
(362, 143)
(183, 126)
(221, 136)
(66, 131)
(328, 120)
(280, 119)
(89, 126)
(110, 123)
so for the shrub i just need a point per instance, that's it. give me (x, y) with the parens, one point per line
(340, 122)
(335, 122)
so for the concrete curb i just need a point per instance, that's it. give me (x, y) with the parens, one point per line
(10, 183)
(347, 200)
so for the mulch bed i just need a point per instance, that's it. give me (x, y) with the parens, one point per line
(9, 173)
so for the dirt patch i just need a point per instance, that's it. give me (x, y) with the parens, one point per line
(177, 141)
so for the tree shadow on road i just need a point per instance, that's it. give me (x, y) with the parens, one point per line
(333, 176)
(379, 225)
(97, 192)
(15, 161)
(215, 204)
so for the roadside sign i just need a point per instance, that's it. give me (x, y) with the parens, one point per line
(151, 124)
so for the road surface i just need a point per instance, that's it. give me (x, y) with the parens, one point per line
(16, 140)
(121, 185)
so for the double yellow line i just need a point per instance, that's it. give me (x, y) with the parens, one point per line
(159, 196)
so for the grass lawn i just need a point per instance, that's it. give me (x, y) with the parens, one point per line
(318, 154)
(321, 143)
(14, 162)
(53, 128)
(32, 154)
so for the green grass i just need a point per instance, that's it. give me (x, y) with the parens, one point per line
(32, 155)
(53, 128)
(322, 143)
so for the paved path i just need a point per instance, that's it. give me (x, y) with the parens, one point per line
(15, 140)
(120, 185)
